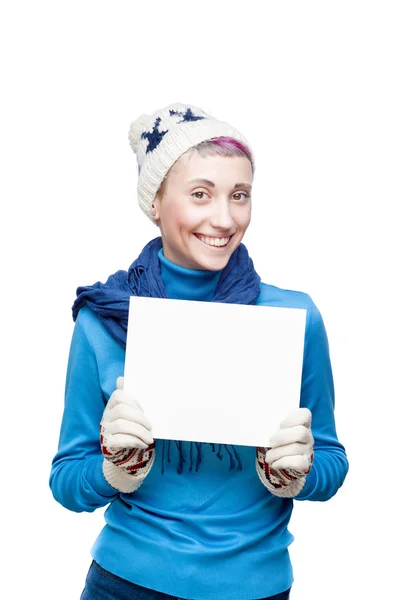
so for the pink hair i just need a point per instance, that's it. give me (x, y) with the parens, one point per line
(227, 146)
(227, 142)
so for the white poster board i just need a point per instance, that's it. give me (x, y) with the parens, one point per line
(214, 372)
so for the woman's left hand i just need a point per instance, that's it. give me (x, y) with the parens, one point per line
(292, 446)
(283, 466)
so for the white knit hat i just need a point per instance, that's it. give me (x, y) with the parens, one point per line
(161, 138)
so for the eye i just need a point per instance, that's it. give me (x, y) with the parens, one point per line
(240, 196)
(199, 195)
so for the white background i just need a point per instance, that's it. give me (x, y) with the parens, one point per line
(314, 86)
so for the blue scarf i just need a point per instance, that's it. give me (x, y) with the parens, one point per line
(238, 284)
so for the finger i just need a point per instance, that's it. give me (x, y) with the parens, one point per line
(299, 463)
(128, 413)
(119, 397)
(135, 430)
(290, 436)
(112, 402)
(119, 383)
(119, 441)
(290, 450)
(301, 416)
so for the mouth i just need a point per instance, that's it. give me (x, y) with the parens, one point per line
(214, 242)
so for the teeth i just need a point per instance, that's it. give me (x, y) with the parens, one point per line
(214, 241)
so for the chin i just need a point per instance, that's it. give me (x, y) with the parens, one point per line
(212, 263)
(213, 259)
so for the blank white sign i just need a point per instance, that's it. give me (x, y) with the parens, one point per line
(213, 372)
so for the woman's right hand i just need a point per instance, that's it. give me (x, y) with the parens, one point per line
(124, 424)
(126, 441)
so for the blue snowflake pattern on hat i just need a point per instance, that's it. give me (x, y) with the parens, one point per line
(187, 116)
(154, 137)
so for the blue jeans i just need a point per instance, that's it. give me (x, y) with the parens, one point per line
(103, 585)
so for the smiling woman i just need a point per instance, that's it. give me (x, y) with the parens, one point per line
(189, 519)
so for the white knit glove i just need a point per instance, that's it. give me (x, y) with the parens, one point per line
(283, 466)
(126, 442)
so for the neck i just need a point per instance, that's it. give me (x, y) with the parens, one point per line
(187, 284)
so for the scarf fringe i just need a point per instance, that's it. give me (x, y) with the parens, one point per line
(235, 460)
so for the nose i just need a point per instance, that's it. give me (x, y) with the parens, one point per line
(221, 216)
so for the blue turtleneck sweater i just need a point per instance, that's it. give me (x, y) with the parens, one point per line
(207, 534)
(187, 284)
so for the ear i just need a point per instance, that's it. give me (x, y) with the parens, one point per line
(155, 209)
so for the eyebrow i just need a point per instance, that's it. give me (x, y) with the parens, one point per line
(211, 183)
(204, 181)
(241, 185)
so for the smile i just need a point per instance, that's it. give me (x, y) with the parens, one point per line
(216, 242)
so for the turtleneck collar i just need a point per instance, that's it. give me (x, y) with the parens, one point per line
(187, 284)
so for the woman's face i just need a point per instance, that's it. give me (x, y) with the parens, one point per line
(205, 210)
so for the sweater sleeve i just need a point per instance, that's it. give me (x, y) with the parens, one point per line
(330, 464)
(76, 479)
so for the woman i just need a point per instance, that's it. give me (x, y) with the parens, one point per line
(189, 520)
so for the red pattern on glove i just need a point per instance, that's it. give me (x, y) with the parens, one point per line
(279, 478)
(131, 460)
